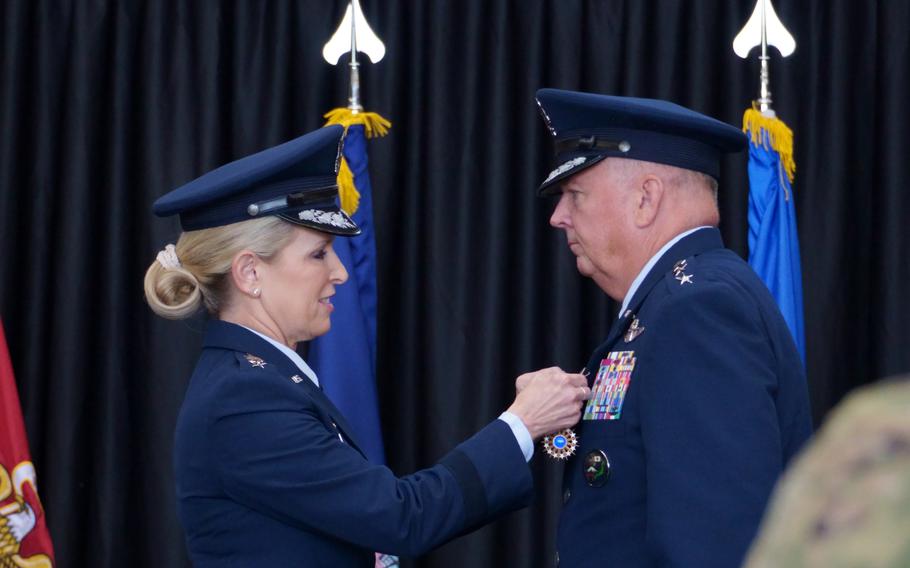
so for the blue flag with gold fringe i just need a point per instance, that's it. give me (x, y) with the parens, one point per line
(345, 357)
(773, 239)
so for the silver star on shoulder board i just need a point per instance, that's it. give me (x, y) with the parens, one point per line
(685, 279)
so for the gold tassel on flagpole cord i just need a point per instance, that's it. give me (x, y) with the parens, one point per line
(373, 125)
(347, 191)
(779, 135)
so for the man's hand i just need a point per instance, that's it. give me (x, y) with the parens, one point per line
(549, 400)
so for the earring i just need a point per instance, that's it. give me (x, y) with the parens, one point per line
(256, 292)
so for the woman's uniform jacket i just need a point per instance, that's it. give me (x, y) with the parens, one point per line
(269, 474)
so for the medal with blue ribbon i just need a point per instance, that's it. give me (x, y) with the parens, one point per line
(560, 445)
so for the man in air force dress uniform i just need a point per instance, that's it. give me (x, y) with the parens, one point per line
(699, 398)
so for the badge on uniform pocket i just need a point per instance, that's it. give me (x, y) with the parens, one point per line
(610, 386)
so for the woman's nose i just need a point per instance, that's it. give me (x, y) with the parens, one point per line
(339, 274)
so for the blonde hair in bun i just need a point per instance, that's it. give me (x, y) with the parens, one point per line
(203, 262)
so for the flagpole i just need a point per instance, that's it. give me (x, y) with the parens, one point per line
(764, 97)
(345, 357)
(764, 28)
(773, 238)
(354, 100)
(353, 35)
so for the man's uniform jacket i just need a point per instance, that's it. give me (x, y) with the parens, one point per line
(716, 405)
(268, 473)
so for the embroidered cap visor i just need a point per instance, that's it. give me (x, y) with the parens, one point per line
(330, 220)
(588, 128)
(295, 181)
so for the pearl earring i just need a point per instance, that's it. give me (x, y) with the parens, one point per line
(256, 292)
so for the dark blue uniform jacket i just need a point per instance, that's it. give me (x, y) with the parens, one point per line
(716, 405)
(269, 475)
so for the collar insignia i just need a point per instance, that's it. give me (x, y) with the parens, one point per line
(255, 361)
(679, 272)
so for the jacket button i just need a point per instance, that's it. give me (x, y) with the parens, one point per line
(566, 495)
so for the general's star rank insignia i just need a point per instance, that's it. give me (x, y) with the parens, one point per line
(679, 272)
(255, 361)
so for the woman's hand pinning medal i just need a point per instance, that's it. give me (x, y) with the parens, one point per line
(549, 403)
(560, 445)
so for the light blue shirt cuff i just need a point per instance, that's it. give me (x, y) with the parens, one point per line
(520, 431)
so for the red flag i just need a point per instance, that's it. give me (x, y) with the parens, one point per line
(24, 539)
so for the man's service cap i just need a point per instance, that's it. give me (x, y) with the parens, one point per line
(589, 127)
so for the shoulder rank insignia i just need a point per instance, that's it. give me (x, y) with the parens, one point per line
(679, 272)
(635, 329)
(255, 361)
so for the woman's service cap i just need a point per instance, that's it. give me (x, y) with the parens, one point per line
(295, 181)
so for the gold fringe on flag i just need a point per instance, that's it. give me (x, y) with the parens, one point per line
(373, 125)
(779, 135)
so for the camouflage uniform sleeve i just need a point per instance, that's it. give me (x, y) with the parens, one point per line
(846, 501)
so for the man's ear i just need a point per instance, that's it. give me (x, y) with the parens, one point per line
(245, 272)
(650, 195)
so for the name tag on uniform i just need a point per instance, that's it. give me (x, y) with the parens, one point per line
(610, 386)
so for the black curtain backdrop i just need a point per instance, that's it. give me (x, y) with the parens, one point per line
(105, 106)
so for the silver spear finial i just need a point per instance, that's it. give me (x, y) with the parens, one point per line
(353, 34)
(764, 28)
